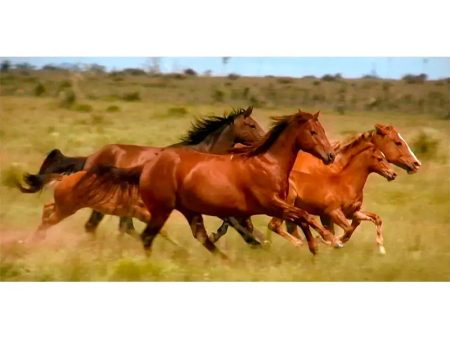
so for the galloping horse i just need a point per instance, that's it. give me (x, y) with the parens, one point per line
(384, 137)
(339, 195)
(252, 182)
(212, 134)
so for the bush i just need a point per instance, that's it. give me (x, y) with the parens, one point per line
(83, 107)
(285, 80)
(190, 72)
(134, 71)
(131, 96)
(329, 77)
(112, 109)
(233, 76)
(66, 98)
(425, 145)
(39, 89)
(409, 78)
(218, 95)
(64, 84)
(177, 111)
(10, 176)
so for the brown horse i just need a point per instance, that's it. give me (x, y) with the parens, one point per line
(212, 134)
(339, 195)
(252, 182)
(385, 137)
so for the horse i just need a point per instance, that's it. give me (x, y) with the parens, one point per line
(384, 137)
(211, 134)
(253, 181)
(340, 194)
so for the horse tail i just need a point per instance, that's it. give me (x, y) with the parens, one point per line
(57, 163)
(37, 182)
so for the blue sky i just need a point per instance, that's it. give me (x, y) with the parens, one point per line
(350, 67)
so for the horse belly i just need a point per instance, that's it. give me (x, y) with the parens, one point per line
(211, 193)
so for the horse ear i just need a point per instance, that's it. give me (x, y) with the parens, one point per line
(381, 129)
(248, 111)
(316, 115)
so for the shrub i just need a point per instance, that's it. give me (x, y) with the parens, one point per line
(409, 78)
(285, 80)
(425, 145)
(131, 96)
(112, 109)
(329, 77)
(218, 95)
(39, 89)
(66, 98)
(134, 71)
(316, 82)
(10, 176)
(64, 84)
(177, 111)
(233, 76)
(190, 72)
(83, 107)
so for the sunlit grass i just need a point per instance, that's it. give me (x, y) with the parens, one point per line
(415, 208)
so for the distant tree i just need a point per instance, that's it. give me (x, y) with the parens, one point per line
(96, 68)
(24, 66)
(190, 71)
(5, 66)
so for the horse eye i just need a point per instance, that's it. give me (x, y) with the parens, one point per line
(398, 143)
(313, 132)
(253, 126)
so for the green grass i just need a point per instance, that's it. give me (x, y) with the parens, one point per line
(415, 208)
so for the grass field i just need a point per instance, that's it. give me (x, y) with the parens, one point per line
(415, 208)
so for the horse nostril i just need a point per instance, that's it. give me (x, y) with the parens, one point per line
(417, 164)
(394, 175)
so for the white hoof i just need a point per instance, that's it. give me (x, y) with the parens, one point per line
(338, 245)
(382, 250)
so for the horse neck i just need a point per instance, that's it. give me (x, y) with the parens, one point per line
(218, 142)
(284, 150)
(356, 172)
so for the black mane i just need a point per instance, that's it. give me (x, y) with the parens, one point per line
(202, 127)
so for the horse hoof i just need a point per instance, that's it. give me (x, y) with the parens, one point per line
(382, 250)
(338, 245)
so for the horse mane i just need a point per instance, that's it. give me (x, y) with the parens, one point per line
(202, 127)
(280, 123)
(342, 146)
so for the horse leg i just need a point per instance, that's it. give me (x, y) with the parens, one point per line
(245, 228)
(297, 215)
(198, 230)
(338, 217)
(215, 236)
(126, 227)
(153, 227)
(375, 219)
(258, 235)
(275, 225)
(312, 244)
(51, 215)
(293, 229)
(327, 223)
(93, 222)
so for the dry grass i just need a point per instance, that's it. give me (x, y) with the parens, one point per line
(415, 208)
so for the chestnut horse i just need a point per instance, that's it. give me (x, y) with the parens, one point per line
(252, 182)
(212, 134)
(385, 137)
(340, 195)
